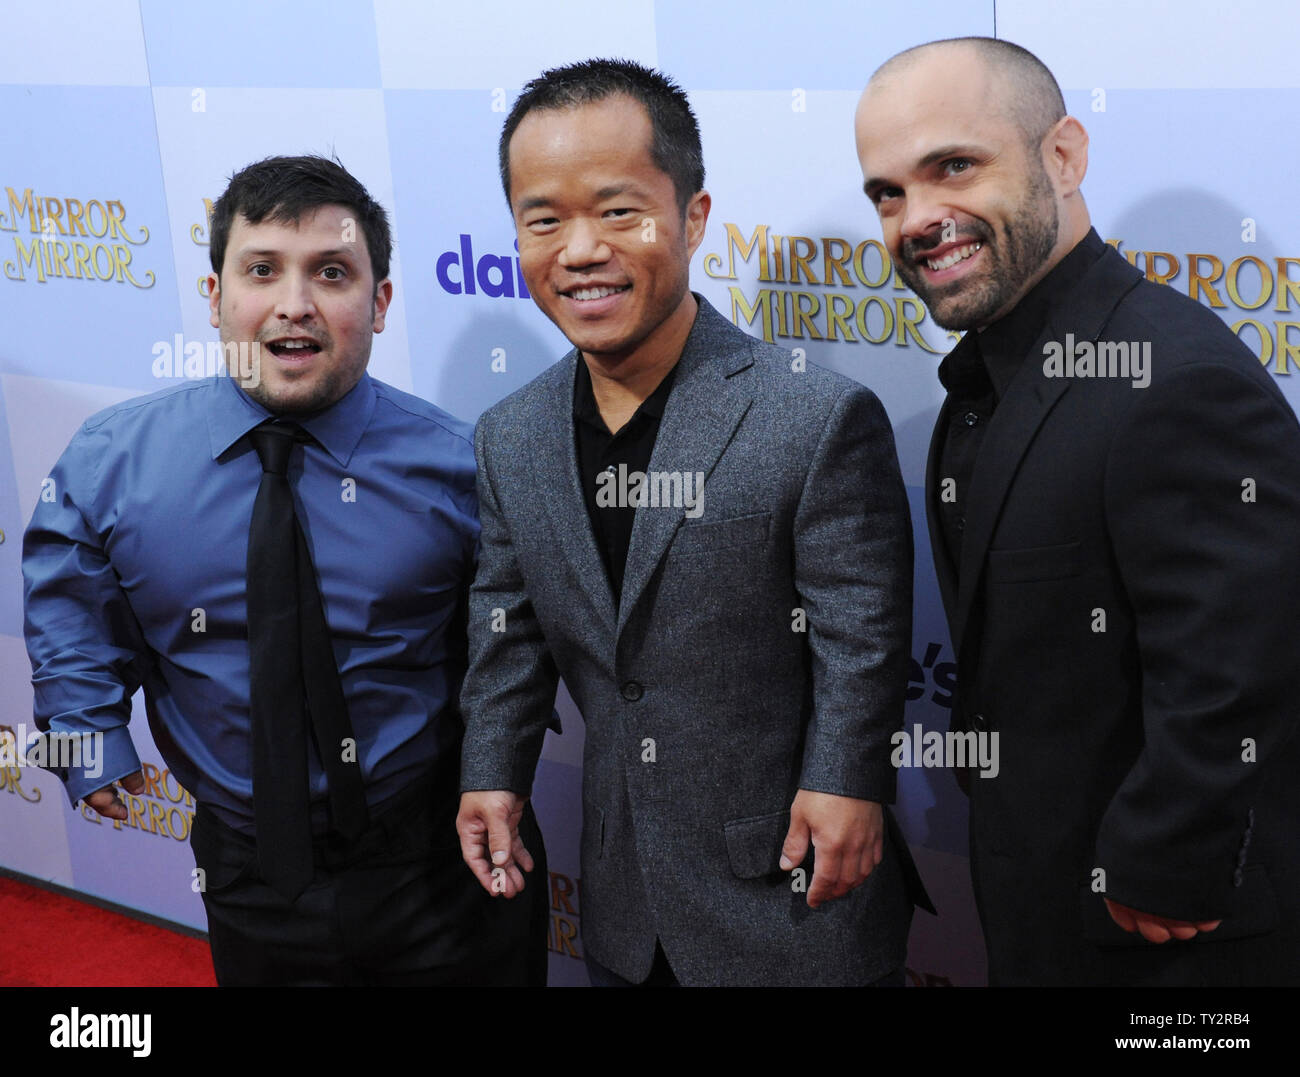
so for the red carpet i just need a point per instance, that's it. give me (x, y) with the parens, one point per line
(50, 940)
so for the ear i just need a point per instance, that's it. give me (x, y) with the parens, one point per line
(214, 301)
(1065, 155)
(697, 216)
(383, 296)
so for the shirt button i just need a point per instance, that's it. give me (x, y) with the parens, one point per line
(970, 418)
(632, 691)
(979, 723)
(611, 470)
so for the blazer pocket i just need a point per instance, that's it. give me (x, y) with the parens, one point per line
(1253, 912)
(694, 538)
(1035, 563)
(754, 844)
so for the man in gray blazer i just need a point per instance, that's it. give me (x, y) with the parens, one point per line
(709, 541)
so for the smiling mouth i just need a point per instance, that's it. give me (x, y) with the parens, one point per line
(959, 254)
(586, 295)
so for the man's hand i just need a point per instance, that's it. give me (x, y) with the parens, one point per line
(1156, 928)
(488, 825)
(848, 835)
(108, 803)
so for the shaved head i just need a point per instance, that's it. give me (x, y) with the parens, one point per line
(1026, 91)
(974, 168)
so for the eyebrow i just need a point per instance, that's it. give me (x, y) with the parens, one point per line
(334, 252)
(953, 149)
(612, 191)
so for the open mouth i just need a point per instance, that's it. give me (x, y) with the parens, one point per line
(293, 347)
(952, 257)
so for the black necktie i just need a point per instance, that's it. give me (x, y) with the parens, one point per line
(292, 677)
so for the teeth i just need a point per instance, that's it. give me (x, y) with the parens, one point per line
(953, 257)
(295, 345)
(596, 293)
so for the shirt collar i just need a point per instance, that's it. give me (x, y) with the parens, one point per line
(1005, 343)
(338, 429)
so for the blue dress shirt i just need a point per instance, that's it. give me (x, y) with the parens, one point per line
(134, 575)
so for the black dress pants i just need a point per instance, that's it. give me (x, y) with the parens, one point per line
(397, 907)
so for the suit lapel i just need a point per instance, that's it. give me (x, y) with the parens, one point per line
(1028, 401)
(555, 464)
(944, 569)
(704, 408)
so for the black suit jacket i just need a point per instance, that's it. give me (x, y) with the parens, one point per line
(1126, 619)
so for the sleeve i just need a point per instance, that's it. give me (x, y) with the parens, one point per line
(87, 652)
(853, 574)
(1203, 505)
(510, 687)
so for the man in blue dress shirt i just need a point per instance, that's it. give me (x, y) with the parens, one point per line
(135, 575)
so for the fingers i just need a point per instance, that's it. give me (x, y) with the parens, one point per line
(473, 849)
(1156, 929)
(521, 855)
(488, 828)
(796, 843)
(108, 803)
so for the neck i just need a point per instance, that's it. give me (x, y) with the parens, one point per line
(621, 383)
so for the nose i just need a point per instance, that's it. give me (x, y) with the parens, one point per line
(584, 245)
(294, 300)
(924, 215)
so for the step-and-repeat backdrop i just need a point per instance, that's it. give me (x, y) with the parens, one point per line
(124, 119)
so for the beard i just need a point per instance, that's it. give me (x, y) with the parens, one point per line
(1027, 241)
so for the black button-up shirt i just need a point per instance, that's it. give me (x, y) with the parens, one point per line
(600, 451)
(979, 371)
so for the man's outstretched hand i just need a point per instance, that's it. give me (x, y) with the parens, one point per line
(108, 803)
(847, 834)
(488, 825)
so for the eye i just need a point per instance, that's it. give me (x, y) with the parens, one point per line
(620, 212)
(956, 165)
(885, 194)
(255, 270)
(541, 224)
(337, 271)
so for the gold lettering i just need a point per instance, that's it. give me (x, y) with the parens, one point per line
(737, 244)
(1265, 282)
(800, 261)
(1196, 280)
(836, 263)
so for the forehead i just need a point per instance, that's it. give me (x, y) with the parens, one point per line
(330, 227)
(588, 144)
(946, 97)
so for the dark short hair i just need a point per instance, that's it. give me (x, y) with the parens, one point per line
(284, 188)
(1034, 98)
(675, 134)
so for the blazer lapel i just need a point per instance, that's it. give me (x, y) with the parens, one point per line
(555, 465)
(1028, 401)
(704, 408)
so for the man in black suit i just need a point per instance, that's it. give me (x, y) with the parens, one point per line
(1114, 505)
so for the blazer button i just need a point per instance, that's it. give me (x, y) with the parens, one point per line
(970, 419)
(632, 691)
(979, 723)
(1237, 877)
